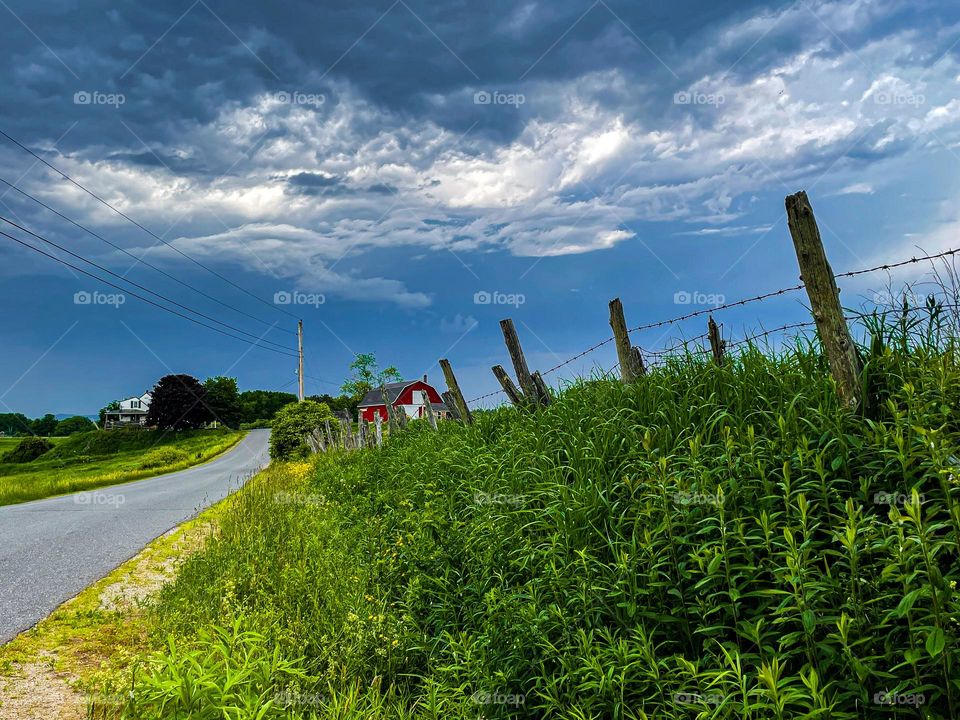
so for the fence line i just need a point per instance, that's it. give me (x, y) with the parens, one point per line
(725, 306)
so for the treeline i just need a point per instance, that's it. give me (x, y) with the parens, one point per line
(17, 424)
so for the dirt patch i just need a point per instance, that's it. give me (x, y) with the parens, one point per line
(38, 691)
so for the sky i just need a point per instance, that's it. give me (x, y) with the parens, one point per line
(403, 175)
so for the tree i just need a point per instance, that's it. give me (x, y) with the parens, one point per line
(341, 402)
(47, 425)
(14, 424)
(223, 400)
(111, 407)
(291, 424)
(74, 425)
(27, 450)
(366, 376)
(262, 404)
(178, 403)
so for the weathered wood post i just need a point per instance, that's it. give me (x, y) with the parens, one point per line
(347, 426)
(718, 346)
(455, 393)
(507, 384)
(379, 429)
(512, 342)
(543, 392)
(318, 439)
(824, 297)
(631, 361)
(330, 443)
(428, 409)
(392, 424)
(361, 434)
(451, 405)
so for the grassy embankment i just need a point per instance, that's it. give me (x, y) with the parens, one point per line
(712, 542)
(93, 459)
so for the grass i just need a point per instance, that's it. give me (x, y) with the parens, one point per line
(9, 443)
(90, 460)
(710, 542)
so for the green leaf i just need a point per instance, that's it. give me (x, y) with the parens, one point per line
(936, 641)
(809, 621)
(837, 462)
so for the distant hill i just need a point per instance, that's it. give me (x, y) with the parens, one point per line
(64, 416)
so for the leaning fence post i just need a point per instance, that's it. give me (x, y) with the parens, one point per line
(507, 384)
(391, 411)
(512, 342)
(428, 409)
(824, 297)
(330, 443)
(454, 387)
(543, 392)
(718, 346)
(631, 361)
(451, 405)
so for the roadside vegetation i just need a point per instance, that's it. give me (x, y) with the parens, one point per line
(711, 542)
(85, 461)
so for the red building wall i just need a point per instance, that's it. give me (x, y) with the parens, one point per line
(406, 398)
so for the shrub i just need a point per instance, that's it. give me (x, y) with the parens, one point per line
(162, 457)
(256, 424)
(28, 450)
(292, 422)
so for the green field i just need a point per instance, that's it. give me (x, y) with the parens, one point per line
(710, 542)
(97, 458)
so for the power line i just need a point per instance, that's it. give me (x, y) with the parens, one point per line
(141, 260)
(149, 232)
(137, 285)
(139, 297)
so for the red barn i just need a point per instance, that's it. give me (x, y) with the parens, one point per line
(406, 396)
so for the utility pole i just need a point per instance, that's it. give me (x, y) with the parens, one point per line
(300, 359)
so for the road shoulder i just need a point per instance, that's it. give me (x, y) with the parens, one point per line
(51, 671)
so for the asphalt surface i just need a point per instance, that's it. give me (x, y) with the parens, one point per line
(52, 549)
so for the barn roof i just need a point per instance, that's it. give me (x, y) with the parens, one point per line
(393, 389)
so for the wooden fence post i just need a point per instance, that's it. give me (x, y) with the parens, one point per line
(318, 439)
(392, 424)
(455, 393)
(718, 346)
(824, 297)
(512, 342)
(330, 443)
(507, 384)
(631, 361)
(347, 433)
(543, 392)
(451, 405)
(428, 409)
(379, 429)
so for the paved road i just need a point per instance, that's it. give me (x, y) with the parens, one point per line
(52, 549)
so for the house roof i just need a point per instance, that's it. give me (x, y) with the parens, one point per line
(394, 390)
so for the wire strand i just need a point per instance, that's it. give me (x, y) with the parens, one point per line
(149, 232)
(139, 297)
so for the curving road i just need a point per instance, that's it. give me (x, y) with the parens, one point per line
(52, 549)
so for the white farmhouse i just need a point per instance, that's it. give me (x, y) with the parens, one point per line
(133, 411)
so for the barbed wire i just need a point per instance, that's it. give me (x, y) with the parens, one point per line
(725, 306)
